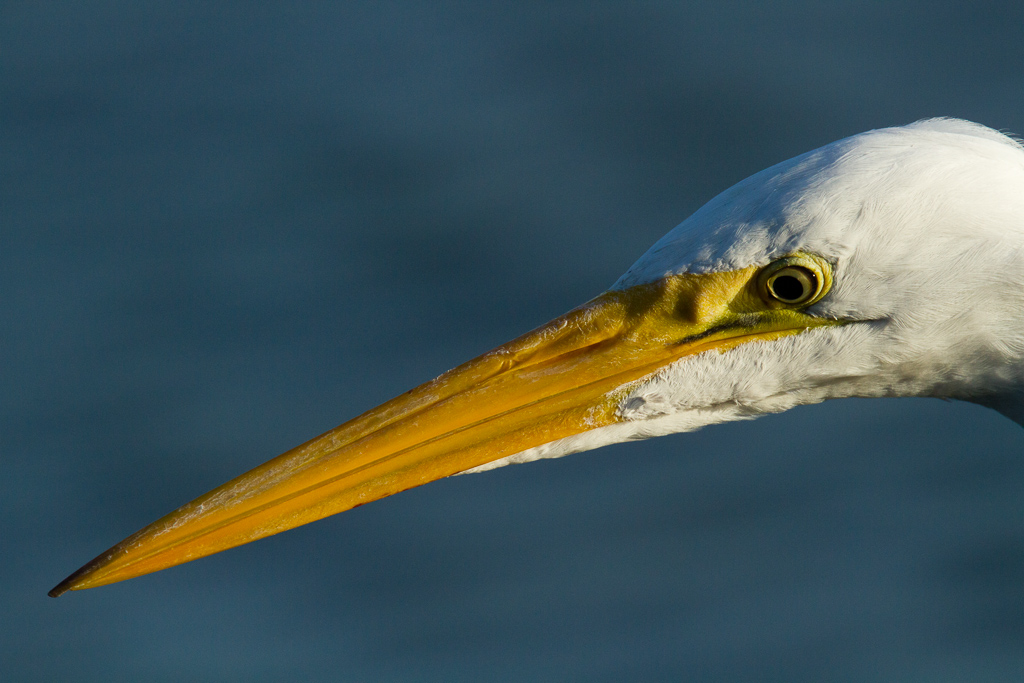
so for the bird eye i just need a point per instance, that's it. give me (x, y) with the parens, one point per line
(794, 281)
(792, 285)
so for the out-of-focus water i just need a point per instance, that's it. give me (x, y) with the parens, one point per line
(224, 230)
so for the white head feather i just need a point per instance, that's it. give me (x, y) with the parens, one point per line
(925, 227)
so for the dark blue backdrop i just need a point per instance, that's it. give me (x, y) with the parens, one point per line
(225, 230)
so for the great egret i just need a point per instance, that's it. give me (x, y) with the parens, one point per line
(890, 263)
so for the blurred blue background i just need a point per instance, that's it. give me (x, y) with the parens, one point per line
(225, 229)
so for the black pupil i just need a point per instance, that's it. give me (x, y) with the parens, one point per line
(788, 288)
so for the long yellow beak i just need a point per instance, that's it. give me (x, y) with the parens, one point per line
(562, 379)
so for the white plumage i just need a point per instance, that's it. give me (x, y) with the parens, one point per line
(925, 227)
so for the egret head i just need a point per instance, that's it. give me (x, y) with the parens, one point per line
(923, 228)
(890, 263)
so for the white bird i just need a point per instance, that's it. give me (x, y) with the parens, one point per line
(890, 263)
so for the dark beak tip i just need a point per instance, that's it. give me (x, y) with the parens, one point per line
(68, 583)
(59, 590)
